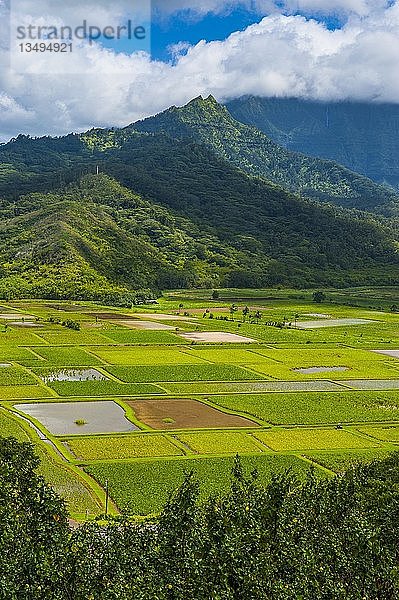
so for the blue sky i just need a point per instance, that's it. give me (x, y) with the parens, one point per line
(182, 28)
(185, 27)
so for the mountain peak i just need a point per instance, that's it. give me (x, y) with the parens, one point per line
(207, 122)
(203, 101)
(184, 121)
(204, 109)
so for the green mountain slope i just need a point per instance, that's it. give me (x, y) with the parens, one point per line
(170, 212)
(206, 224)
(362, 136)
(97, 240)
(207, 122)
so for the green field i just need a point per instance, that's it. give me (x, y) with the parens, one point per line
(357, 362)
(67, 357)
(71, 338)
(389, 433)
(108, 448)
(315, 408)
(312, 439)
(340, 461)
(15, 376)
(296, 411)
(264, 385)
(103, 388)
(145, 356)
(174, 373)
(143, 487)
(126, 336)
(214, 442)
(15, 392)
(9, 352)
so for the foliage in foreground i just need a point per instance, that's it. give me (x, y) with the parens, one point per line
(316, 539)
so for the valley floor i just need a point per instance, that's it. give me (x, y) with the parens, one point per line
(136, 398)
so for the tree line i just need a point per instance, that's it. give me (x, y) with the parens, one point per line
(328, 539)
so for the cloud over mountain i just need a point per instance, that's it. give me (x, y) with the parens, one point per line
(281, 55)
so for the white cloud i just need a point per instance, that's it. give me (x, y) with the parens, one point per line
(13, 115)
(281, 55)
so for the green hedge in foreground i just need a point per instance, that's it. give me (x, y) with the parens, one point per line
(304, 539)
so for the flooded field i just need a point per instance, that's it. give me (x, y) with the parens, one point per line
(216, 337)
(392, 353)
(145, 325)
(74, 418)
(373, 384)
(331, 323)
(24, 324)
(16, 317)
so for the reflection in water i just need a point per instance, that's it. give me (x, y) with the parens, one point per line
(62, 418)
(310, 370)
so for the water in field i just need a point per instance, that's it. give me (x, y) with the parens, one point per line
(74, 418)
(392, 353)
(311, 370)
(24, 324)
(373, 384)
(74, 375)
(216, 336)
(8, 316)
(331, 323)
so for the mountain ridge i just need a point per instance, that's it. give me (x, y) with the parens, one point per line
(169, 211)
(249, 149)
(362, 136)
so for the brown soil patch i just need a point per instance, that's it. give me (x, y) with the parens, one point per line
(184, 414)
(67, 307)
(161, 316)
(109, 316)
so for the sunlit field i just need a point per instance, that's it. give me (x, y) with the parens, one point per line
(152, 392)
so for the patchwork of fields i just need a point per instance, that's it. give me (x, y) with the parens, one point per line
(124, 401)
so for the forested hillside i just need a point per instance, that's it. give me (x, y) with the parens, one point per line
(362, 136)
(174, 212)
(206, 121)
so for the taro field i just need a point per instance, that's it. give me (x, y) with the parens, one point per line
(135, 398)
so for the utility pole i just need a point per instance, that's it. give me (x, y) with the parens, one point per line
(106, 497)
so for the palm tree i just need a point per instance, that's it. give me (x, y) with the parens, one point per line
(245, 313)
